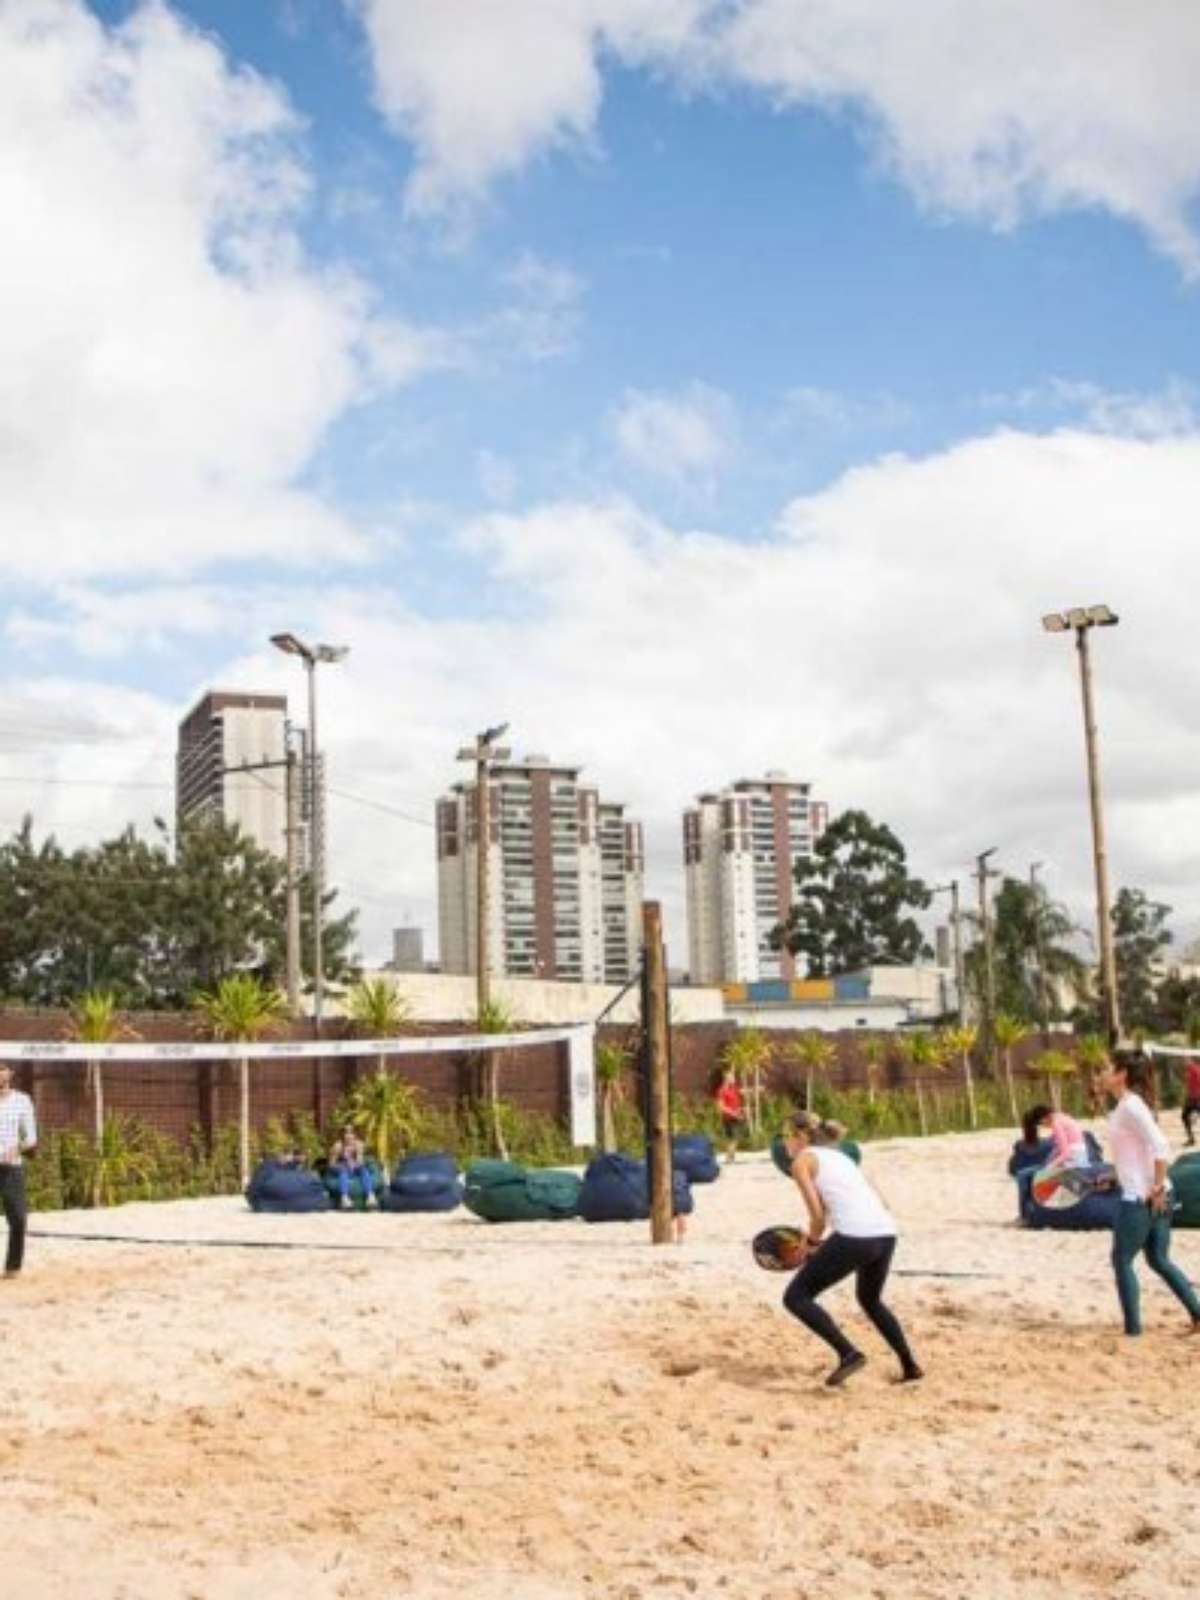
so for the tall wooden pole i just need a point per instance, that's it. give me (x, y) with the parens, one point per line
(658, 1098)
(1108, 964)
(292, 834)
(483, 992)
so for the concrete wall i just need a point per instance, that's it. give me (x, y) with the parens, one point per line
(450, 997)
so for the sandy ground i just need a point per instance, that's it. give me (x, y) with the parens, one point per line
(405, 1406)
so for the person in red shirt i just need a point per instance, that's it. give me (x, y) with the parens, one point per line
(1191, 1098)
(732, 1109)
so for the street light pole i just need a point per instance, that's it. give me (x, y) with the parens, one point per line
(311, 655)
(982, 873)
(1081, 620)
(483, 752)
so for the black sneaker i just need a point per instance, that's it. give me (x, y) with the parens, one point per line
(846, 1368)
(912, 1374)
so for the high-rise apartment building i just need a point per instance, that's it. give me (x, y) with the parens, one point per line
(225, 730)
(739, 850)
(564, 877)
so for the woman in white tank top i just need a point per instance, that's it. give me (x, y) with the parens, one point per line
(850, 1231)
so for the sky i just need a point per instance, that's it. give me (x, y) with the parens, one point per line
(701, 386)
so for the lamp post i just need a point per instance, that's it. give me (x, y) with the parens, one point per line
(311, 655)
(1080, 621)
(951, 889)
(982, 873)
(483, 752)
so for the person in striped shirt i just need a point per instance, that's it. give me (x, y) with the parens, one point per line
(18, 1139)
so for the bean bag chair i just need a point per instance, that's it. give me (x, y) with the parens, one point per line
(1185, 1179)
(694, 1156)
(275, 1188)
(779, 1155)
(358, 1198)
(1094, 1213)
(423, 1182)
(616, 1189)
(502, 1191)
(1037, 1155)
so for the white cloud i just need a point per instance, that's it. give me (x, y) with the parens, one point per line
(992, 109)
(1150, 414)
(170, 360)
(686, 437)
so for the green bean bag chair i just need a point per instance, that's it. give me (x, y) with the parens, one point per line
(1185, 1179)
(502, 1191)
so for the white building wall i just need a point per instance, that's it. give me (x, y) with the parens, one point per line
(256, 801)
(591, 891)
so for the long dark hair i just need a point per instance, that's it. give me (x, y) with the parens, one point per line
(1031, 1121)
(1139, 1073)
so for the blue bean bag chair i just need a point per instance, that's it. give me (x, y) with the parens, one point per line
(502, 1191)
(1096, 1212)
(424, 1182)
(1185, 1180)
(694, 1156)
(616, 1189)
(276, 1188)
(1025, 1156)
(358, 1197)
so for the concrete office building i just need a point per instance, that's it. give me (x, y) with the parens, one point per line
(564, 874)
(739, 850)
(223, 730)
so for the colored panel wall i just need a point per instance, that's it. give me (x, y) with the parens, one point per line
(812, 989)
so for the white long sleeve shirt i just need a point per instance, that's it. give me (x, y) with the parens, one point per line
(1137, 1143)
(18, 1126)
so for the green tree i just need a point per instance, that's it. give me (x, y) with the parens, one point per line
(1056, 1066)
(494, 1017)
(1140, 936)
(241, 1007)
(816, 1056)
(852, 901)
(1009, 1031)
(96, 1019)
(1091, 1052)
(960, 1042)
(1024, 919)
(873, 1050)
(383, 1107)
(748, 1053)
(921, 1052)
(611, 1064)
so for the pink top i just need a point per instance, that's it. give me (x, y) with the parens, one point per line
(1070, 1148)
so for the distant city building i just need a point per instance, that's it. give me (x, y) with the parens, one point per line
(226, 730)
(739, 850)
(564, 877)
(408, 950)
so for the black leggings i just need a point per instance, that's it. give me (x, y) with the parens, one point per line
(870, 1260)
(12, 1199)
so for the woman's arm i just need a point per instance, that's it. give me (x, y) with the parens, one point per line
(803, 1170)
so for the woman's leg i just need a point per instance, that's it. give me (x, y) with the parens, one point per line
(1130, 1232)
(869, 1286)
(1158, 1258)
(836, 1259)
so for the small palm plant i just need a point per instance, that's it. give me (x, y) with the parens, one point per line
(494, 1017)
(1091, 1052)
(748, 1053)
(1008, 1033)
(922, 1052)
(960, 1042)
(96, 1019)
(873, 1050)
(816, 1056)
(383, 1108)
(1056, 1066)
(241, 1008)
(122, 1157)
(611, 1064)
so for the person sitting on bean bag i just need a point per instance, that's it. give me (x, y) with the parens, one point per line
(347, 1161)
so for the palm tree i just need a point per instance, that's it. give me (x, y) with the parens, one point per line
(382, 1107)
(748, 1052)
(96, 1019)
(1056, 1066)
(241, 1007)
(1008, 1033)
(1091, 1051)
(873, 1050)
(816, 1055)
(494, 1017)
(960, 1042)
(611, 1062)
(921, 1051)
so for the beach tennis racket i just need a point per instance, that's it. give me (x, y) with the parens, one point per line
(1060, 1188)
(780, 1249)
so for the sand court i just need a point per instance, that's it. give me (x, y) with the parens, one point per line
(409, 1405)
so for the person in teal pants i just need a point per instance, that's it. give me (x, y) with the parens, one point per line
(1143, 1224)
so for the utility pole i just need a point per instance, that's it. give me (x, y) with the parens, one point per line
(657, 1045)
(292, 834)
(1081, 620)
(982, 873)
(960, 985)
(1036, 909)
(483, 753)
